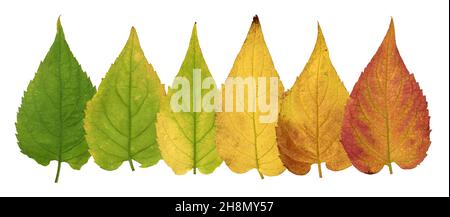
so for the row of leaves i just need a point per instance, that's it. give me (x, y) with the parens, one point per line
(384, 120)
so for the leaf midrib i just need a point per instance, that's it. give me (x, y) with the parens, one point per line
(130, 160)
(61, 125)
(387, 124)
(255, 136)
(317, 110)
(194, 139)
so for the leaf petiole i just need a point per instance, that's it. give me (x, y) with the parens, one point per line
(57, 171)
(131, 164)
(390, 168)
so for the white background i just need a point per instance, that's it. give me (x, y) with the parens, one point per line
(97, 30)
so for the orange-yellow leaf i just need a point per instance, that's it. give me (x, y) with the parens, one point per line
(311, 114)
(386, 118)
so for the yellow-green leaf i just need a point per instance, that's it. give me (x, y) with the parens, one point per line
(120, 118)
(187, 138)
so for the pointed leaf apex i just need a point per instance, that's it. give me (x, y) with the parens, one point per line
(133, 30)
(194, 33)
(255, 19)
(58, 24)
(194, 29)
(133, 33)
(320, 38)
(390, 35)
(255, 26)
(391, 25)
(319, 29)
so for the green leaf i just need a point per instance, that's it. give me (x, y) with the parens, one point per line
(50, 118)
(187, 138)
(120, 118)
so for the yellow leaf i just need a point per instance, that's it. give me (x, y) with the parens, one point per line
(311, 114)
(246, 139)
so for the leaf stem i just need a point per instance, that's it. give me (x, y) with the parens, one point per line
(131, 164)
(260, 174)
(390, 168)
(57, 171)
(320, 170)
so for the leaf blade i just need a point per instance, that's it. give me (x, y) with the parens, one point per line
(49, 120)
(252, 144)
(187, 139)
(311, 114)
(386, 119)
(120, 118)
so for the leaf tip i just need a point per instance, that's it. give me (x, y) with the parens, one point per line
(255, 19)
(391, 25)
(255, 26)
(194, 33)
(319, 30)
(194, 29)
(58, 24)
(390, 35)
(133, 33)
(320, 38)
(133, 30)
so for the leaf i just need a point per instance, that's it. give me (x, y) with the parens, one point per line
(50, 118)
(386, 118)
(245, 142)
(120, 118)
(311, 115)
(187, 138)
